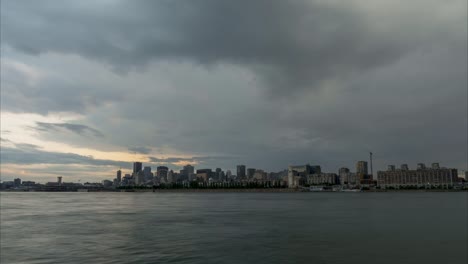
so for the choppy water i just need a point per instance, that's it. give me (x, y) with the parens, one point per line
(234, 228)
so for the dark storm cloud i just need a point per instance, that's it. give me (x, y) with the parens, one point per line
(381, 76)
(290, 45)
(82, 130)
(25, 154)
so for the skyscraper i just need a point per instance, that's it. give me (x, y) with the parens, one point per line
(240, 171)
(189, 169)
(162, 172)
(147, 173)
(250, 173)
(137, 166)
(361, 168)
(119, 176)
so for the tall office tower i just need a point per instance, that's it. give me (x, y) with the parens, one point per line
(161, 171)
(147, 173)
(218, 174)
(170, 177)
(250, 173)
(189, 169)
(240, 171)
(404, 167)
(119, 176)
(222, 176)
(361, 168)
(391, 168)
(435, 166)
(137, 166)
(140, 178)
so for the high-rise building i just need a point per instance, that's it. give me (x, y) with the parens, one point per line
(361, 168)
(170, 176)
(161, 171)
(119, 176)
(435, 166)
(17, 182)
(250, 173)
(421, 166)
(240, 171)
(391, 167)
(137, 166)
(189, 169)
(228, 174)
(218, 174)
(148, 174)
(222, 176)
(139, 178)
(404, 167)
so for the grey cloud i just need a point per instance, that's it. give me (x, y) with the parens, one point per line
(24, 154)
(79, 129)
(26, 146)
(142, 150)
(202, 159)
(392, 82)
(290, 45)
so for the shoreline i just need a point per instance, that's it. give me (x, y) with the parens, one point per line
(272, 190)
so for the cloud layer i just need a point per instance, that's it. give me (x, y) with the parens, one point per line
(266, 83)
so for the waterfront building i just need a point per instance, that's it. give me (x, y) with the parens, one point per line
(322, 179)
(17, 182)
(297, 175)
(404, 167)
(241, 172)
(148, 174)
(139, 178)
(107, 183)
(28, 183)
(119, 176)
(361, 168)
(250, 173)
(421, 177)
(260, 175)
(137, 166)
(218, 174)
(189, 169)
(59, 180)
(161, 172)
(204, 174)
(421, 166)
(170, 177)
(222, 176)
(346, 177)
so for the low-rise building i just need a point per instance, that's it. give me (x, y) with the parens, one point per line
(422, 176)
(322, 179)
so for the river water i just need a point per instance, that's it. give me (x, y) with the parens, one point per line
(416, 227)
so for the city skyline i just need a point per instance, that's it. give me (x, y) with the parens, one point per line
(87, 88)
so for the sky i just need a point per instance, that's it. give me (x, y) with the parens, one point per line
(88, 86)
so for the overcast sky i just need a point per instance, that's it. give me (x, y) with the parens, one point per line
(89, 86)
